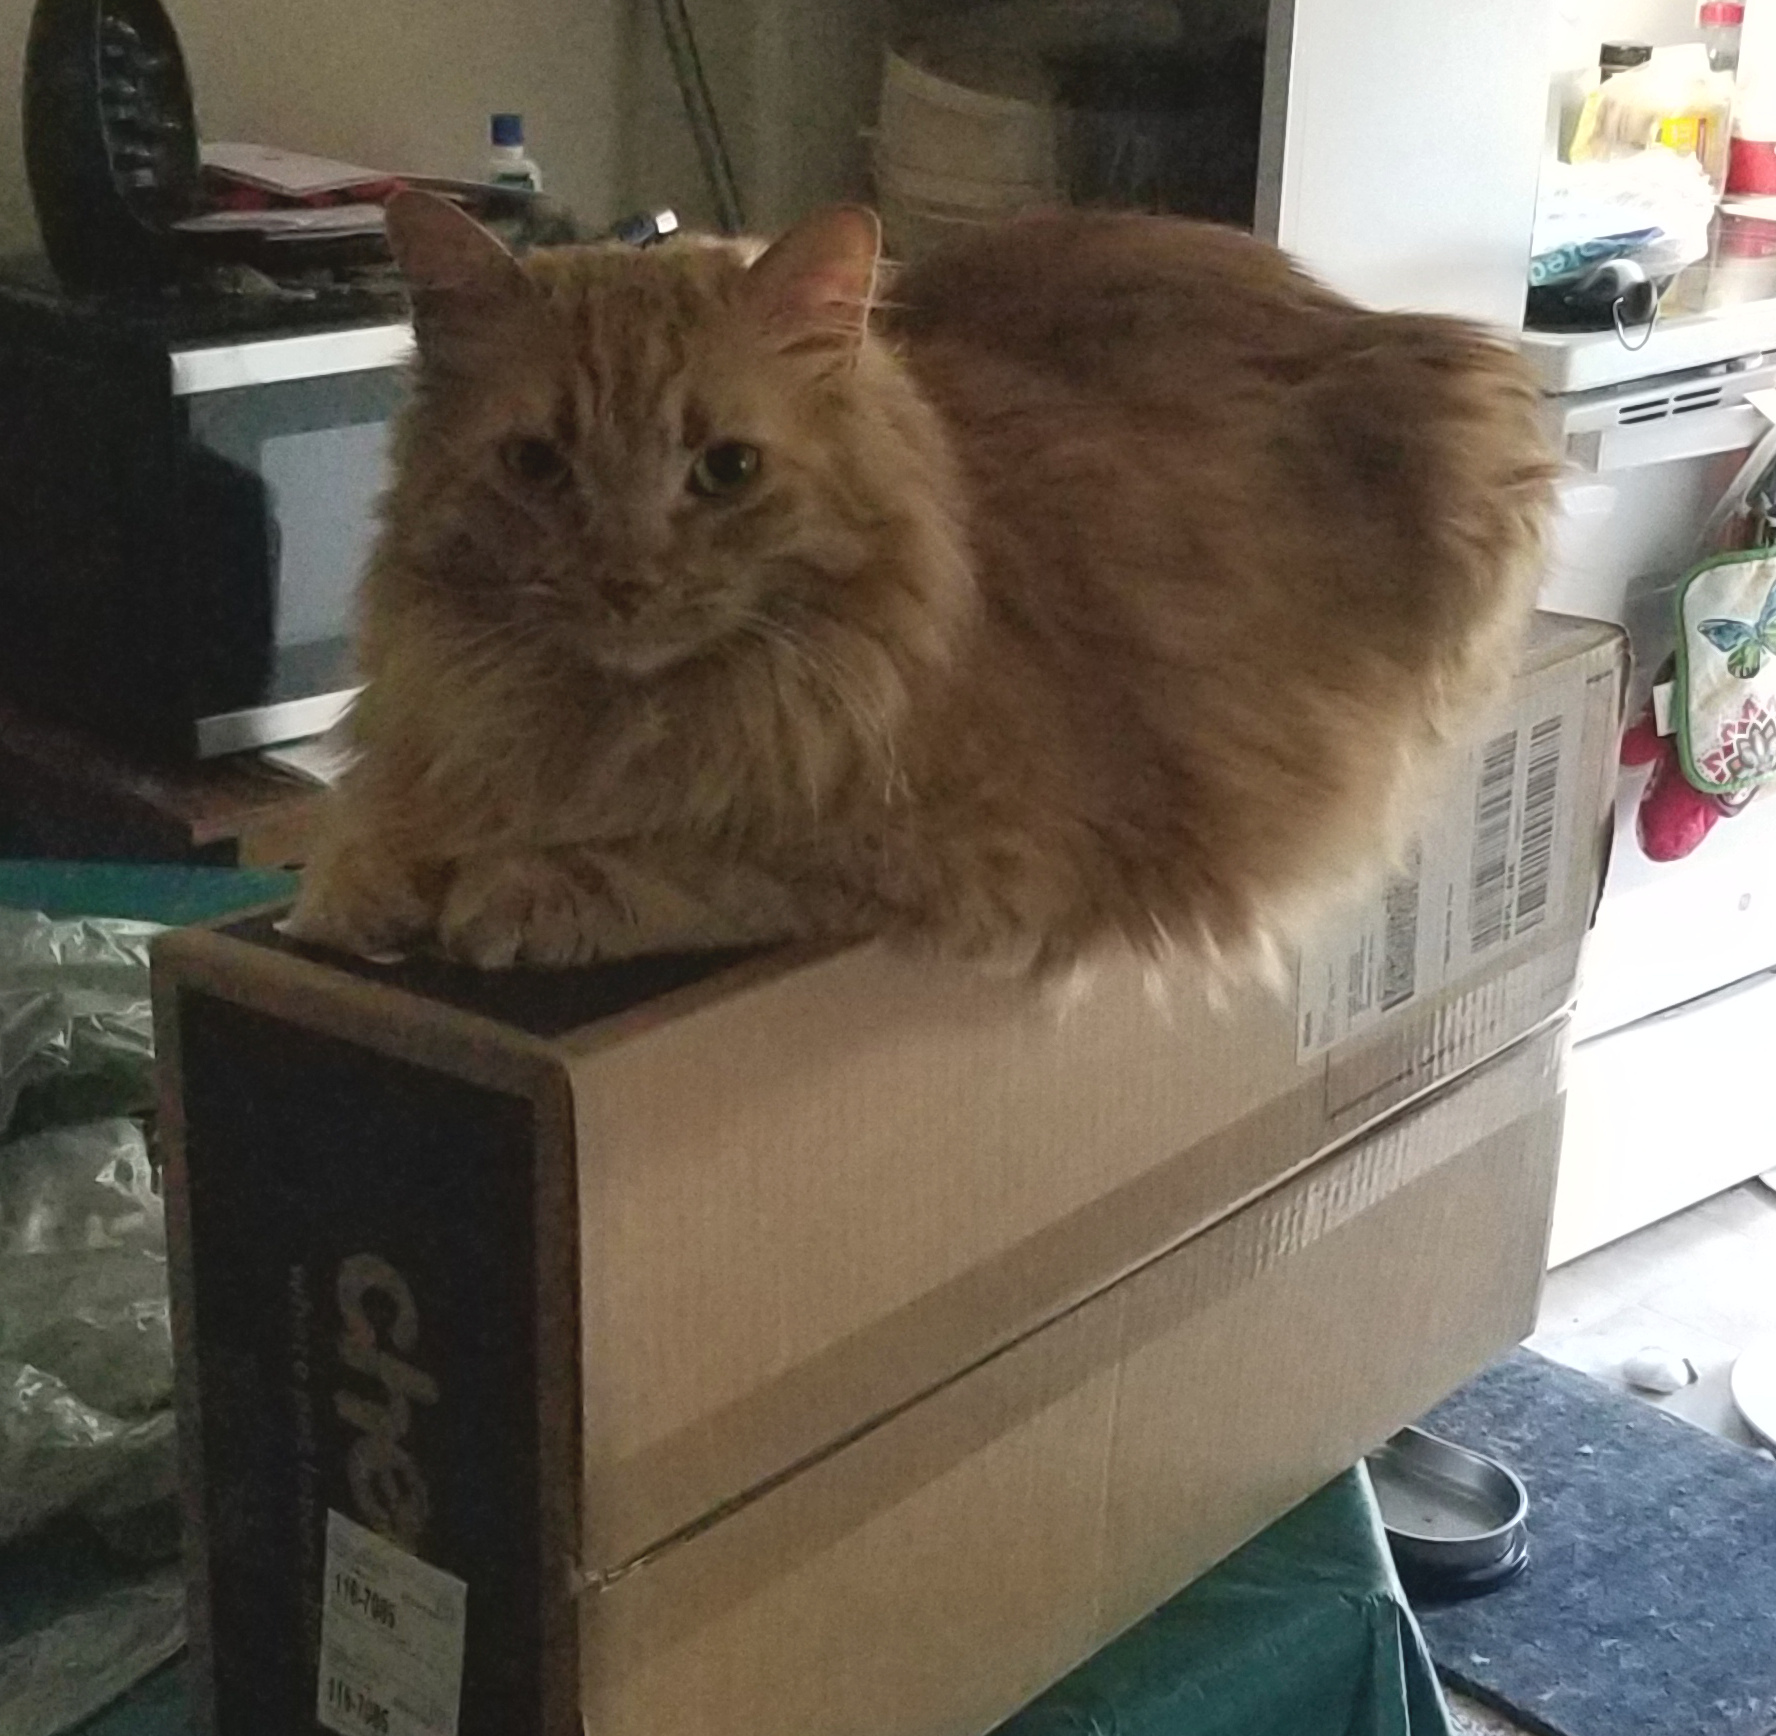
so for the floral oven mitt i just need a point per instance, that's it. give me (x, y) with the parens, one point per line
(1714, 746)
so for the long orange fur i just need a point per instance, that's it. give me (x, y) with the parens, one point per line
(1108, 583)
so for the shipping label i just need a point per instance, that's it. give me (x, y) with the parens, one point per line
(1490, 871)
(391, 1638)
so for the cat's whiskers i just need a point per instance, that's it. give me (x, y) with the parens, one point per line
(774, 647)
(493, 644)
(875, 730)
(829, 673)
(805, 669)
(840, 683)
(853, 692)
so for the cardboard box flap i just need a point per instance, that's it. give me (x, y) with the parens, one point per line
(1555, 639)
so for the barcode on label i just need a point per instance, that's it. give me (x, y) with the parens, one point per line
(1493, 869)
(1489, 882)
(1356, 983)
(1399, 957)
(1536, 856)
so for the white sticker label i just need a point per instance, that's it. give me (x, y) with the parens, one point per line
(391, 1638)
(1491, 871)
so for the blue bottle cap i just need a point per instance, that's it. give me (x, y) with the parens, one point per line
(508, 129)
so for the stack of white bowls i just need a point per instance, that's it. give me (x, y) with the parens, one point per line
(948, 156)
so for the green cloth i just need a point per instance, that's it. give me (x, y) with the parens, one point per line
(1303, 1632)
(157, 1707)
(148, 892)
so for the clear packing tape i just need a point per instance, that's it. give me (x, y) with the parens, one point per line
(86, 1419)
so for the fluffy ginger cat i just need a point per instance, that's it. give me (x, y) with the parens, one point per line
(1107, 583)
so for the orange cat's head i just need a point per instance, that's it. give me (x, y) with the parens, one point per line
(640, 456)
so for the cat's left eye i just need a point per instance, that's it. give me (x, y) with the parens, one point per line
(724, 468)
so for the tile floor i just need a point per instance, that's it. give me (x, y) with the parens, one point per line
(1702, 1283)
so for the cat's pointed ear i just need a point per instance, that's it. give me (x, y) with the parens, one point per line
(452, 265)
(816, 283)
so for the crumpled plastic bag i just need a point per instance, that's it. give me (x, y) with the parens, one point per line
(76, 1029)
(1660, 200)
(86, 1423)
(86, 1367)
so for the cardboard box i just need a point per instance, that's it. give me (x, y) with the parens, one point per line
(836, 1346)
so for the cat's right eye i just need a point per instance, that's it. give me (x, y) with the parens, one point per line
(539, 462)
(724, 468)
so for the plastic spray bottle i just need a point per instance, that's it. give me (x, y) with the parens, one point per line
(507, 165)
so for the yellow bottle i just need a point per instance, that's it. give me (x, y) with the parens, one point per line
(1702, 132)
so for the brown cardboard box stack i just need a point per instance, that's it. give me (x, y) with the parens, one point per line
(837, 1346)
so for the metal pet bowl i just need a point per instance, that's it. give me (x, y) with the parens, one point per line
(1455, 1519)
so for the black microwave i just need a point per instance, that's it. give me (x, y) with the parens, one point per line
(188, 492)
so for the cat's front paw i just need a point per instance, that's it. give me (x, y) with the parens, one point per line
(528, 909)
(346, 905)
